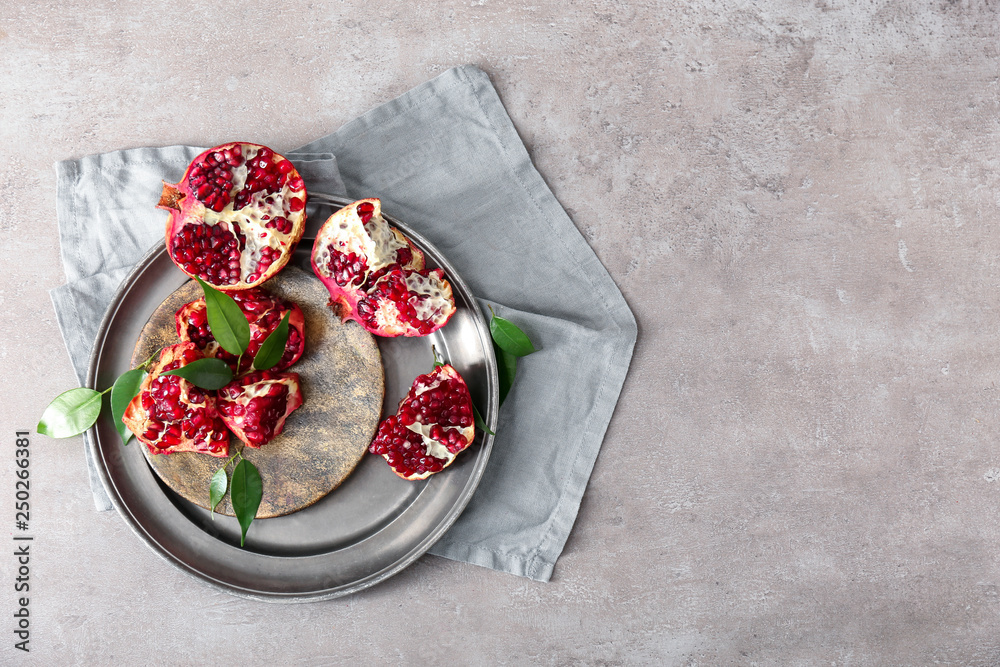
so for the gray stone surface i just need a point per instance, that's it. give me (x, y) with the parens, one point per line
(799, 201)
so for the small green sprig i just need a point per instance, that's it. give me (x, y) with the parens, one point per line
(246, 491)
(73, 412)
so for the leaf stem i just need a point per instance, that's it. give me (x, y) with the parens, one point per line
(145, 365)
(231, 458)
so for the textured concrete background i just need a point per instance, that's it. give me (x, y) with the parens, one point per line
(799, 201)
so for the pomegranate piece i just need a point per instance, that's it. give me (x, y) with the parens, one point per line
(172, 415)
(256, 406)
(235, 216)
(263, 311)
(433, 424)
(376, 276)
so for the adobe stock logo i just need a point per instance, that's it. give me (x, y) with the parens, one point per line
(22, 541)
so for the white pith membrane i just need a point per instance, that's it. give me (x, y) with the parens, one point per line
(250, 220)
(435, 448)
(376, 241)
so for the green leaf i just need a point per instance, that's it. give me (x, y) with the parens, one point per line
(273, 347)
(508, 336)
(245, 494)
(205, 373)
(506, 369)
(480, 422)
(228, 323)
(125, 388)
(217, 489)
(71, 413)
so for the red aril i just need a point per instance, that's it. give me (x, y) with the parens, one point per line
(376, 276)
(255, 406)
(235, 216)
(433, 424)
(172, 415)
(263, 311)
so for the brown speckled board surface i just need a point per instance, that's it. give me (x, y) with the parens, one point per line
(343, 386)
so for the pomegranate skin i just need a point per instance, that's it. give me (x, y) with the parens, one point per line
(236, 215)
(376, 276)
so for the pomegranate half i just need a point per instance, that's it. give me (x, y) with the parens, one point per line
(235, 216)
(170, 414)
(376, 276)
(433, 424)
(263, 312)
(255, 406)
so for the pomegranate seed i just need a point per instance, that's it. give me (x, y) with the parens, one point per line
(365, 211)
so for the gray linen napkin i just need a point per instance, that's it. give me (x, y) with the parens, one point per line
(445, 158)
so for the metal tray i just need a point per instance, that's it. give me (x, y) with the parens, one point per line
(368, 529)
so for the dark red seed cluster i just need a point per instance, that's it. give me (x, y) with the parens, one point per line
(259, 415)
(263, 175)
(211, 180)
(195, 327)
(446, 404)
(404, 256)
(349, 269)
(293, 349)
(281, 224)
(404, 449)
(365, 211)
(267, 257)
(391, 287)
(211, 252)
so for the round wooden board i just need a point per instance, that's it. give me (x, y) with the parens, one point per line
(343, 386)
